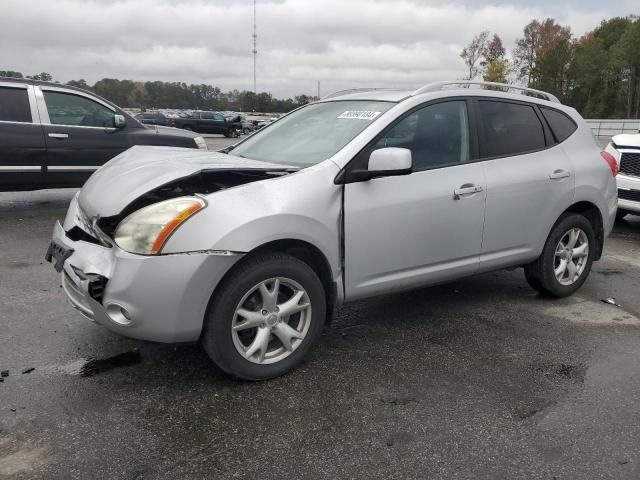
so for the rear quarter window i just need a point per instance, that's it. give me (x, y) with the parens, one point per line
(561, 125)
(509, 129)
(14, 105)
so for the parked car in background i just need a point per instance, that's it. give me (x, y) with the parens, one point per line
(626, 150)
(53, 135)
(249, 251)
(209, 122)
(155, 118)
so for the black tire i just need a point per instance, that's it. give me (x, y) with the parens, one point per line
(228, 134)
(540, 274)
(620, 214)
(217, 337)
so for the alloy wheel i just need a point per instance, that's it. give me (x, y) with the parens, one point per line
(271, 320)
(572, 253)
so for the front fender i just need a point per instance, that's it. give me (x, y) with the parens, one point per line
(302, 206)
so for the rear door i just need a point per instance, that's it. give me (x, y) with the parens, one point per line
(205, 123)
(22, 145)
(79, 134)
(530, 182)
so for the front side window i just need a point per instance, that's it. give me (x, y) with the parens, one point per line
(14, 105)
(313, 133)
(508, 129)
(218, 117)
(437, 135)
(69, 109)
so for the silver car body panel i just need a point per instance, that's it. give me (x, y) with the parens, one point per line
(399, 232)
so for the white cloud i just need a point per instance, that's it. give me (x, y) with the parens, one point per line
(341, 43)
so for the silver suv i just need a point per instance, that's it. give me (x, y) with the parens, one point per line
(364, 193)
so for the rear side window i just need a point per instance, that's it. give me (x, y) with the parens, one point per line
(509, 129)
(14, 105)
(206, 116)
(561, 125)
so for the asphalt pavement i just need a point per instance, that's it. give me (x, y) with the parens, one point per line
(477, 379)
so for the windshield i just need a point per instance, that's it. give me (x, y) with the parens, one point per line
(313, 133)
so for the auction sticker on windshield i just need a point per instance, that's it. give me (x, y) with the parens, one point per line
(360, 114)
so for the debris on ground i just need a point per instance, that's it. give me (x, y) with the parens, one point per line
(4, 373)
(611, 301)
(27, 370)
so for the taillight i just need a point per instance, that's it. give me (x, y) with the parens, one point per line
(611, 160)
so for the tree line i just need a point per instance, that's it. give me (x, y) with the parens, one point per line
(597, 73)
(156, 94)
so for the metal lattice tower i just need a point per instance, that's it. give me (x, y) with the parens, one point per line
(254, 51)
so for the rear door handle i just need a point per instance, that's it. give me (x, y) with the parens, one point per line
(465, 190)
(59, 135)
(558, 174)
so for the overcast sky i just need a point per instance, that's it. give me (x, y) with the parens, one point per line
(342, 43)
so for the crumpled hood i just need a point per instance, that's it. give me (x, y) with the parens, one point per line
(142, 168)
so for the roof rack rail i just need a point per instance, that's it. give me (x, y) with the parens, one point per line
(354, 90)
(434, 87)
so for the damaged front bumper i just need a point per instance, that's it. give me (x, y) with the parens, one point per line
(161, 298)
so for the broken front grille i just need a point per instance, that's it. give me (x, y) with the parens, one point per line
(630, 163)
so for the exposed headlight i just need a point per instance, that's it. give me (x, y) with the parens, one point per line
(146, 231)
(200, 142)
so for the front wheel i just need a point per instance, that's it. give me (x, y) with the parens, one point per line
(566, 259)
(265, 317)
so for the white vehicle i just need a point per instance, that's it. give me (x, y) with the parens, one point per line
(626, 150)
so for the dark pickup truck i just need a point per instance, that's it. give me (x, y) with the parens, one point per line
(209, 122)
(53, 135)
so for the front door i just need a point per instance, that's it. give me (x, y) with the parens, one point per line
(80, 136)
(423, 228)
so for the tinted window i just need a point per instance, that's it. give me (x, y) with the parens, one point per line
(509, 129)
(68, 109)
(14, 105)
(561, 125)
(437, 135)
(206, 116)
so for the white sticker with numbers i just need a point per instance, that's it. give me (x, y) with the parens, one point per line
(359, 114)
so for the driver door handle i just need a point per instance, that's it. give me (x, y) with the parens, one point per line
(59, 136)
(466, 190)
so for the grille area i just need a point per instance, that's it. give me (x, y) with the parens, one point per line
(633, 195)
(630, 163)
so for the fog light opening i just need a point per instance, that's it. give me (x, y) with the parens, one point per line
(119, 315)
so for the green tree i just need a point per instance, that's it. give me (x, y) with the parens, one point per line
(10, 74)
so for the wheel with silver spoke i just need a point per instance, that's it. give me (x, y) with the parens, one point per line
(271, 320)
(265, 316)
(572, 252)
(566, 259)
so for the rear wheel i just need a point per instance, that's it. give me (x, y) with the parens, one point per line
(566, 259)
(265, 317)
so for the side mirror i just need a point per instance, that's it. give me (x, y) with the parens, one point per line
(385, 162)
(119, 121)
(390, 161)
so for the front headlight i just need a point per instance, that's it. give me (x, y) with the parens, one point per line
(146, 231)
(200, 143)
